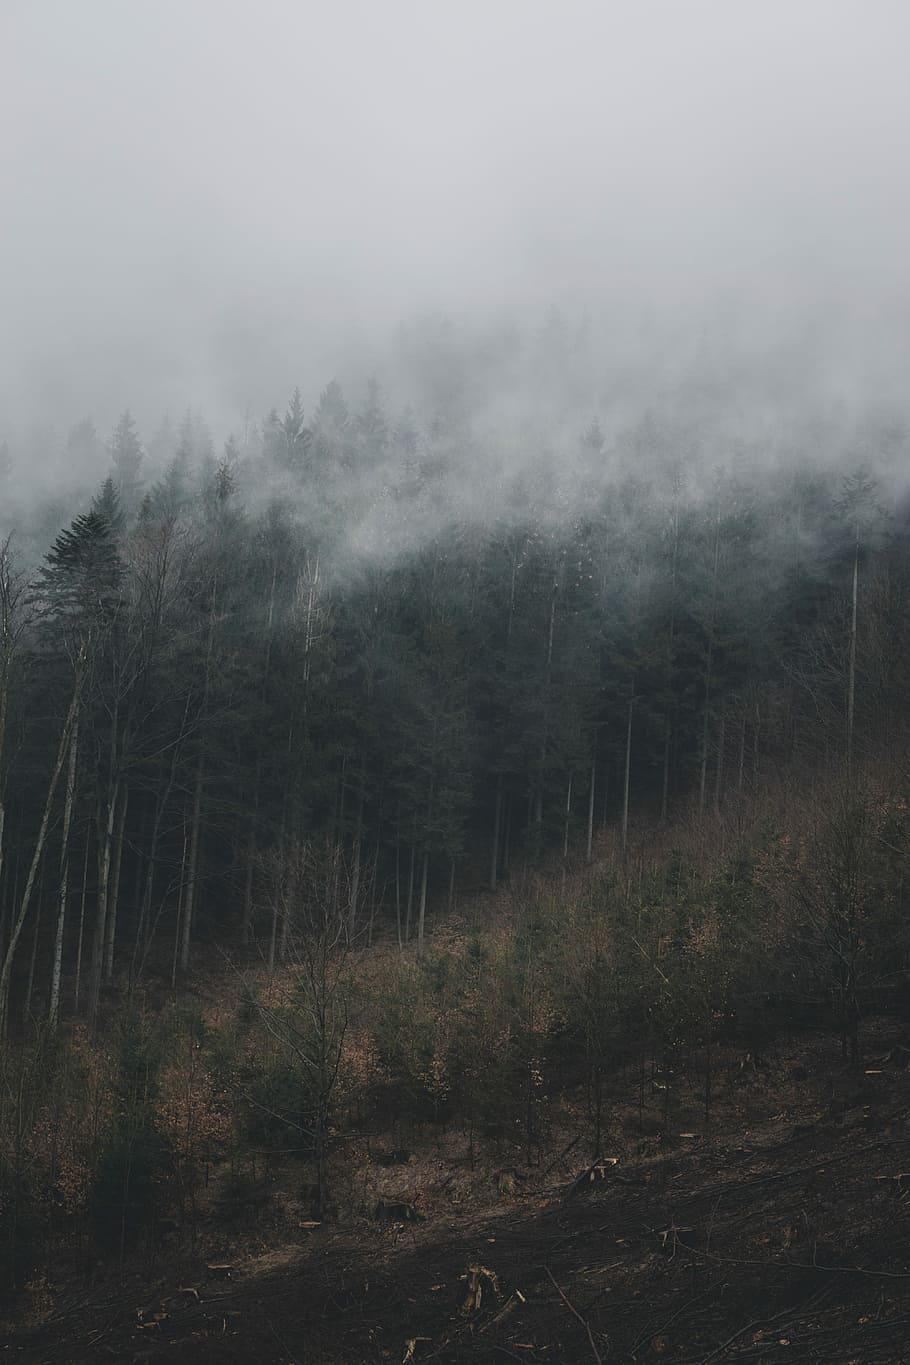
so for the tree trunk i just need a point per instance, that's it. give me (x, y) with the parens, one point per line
(247, 915)
(507, 838)
(709, 663)
(719, 773)
(246, 921)
(422, 910)
(189, 904)
(291, 891)
(30, 985)
(497, 819)
(178, 929)
(627, 775)
(145, 927)
(545, 736)
(114, 892)
(665, 783)
(410, 900)
(398, 877)
(355, 870)
(851, 672)
(57, 967)
(10, 599)
(106, 820)
(755, 743)
(88, 845)
(15, 933)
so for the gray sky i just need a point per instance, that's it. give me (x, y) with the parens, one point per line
(206, 201)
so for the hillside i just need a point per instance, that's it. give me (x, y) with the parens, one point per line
(777, 1231)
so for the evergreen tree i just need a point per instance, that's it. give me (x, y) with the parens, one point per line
(83, 448)
(372, 425)
(126, 456)
(293, 437)
(79, 582)
(107, 504)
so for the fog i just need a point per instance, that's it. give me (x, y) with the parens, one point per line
(207, 202)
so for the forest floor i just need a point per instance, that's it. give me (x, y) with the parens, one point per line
(777, 1230)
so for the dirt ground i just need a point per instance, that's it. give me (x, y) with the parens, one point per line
(777, 1231)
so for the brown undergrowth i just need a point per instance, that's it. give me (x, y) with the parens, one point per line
(779, 1230)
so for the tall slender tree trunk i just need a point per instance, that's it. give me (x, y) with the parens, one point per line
(114, 892)
(147, 892)
(145, 926)
(665, 783)
(545, 736)
(273, 933)
(627, 776)
(106, 820)
(57, 965)
(497, 820)
(190, 886)
(719, 772)
(398, 874)
(410, 900)
(670, 658)
(27, 1012)
(289, 917)
(38, 852)
(755, 742)
(567, 821)
(592, 786)
(10, 623)
(189, 902)
(851, 669)
(422, 907)
(565, 835)
(507, 837)
(246, 921)
(709, 678)
(355, 868)
(79, 946)
(178, 927)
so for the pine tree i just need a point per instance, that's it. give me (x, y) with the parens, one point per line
(126, 456)
(83, 447)
(293, 437)
(107, 504)
(80, 579)
(373, 424)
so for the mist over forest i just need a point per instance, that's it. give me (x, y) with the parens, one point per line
(454, 680)
(204, 214)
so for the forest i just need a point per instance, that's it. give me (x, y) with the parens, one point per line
(405, 773)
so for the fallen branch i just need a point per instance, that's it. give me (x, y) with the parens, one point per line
(577, 1315)
(786, 1314)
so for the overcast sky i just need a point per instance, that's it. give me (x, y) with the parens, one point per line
(206, 199)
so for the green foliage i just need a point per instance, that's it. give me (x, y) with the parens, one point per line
(129, 1185)
(81, 576)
